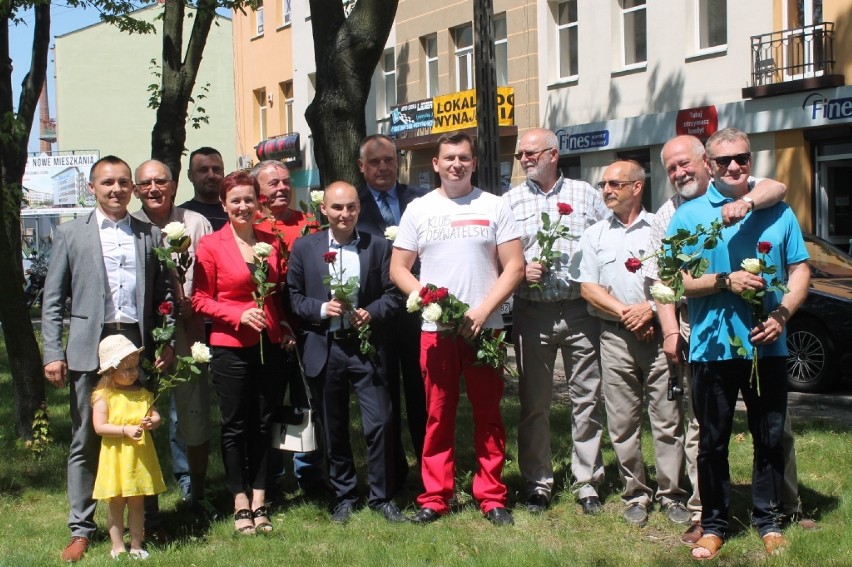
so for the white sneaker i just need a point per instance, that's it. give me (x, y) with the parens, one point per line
(138, 554)
(117, 553)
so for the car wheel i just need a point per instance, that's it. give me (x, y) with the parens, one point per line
(810, 365)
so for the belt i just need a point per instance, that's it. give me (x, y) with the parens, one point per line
(119, 326)
(617, 324)
(344, 335)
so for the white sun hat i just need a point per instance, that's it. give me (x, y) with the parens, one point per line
(113, 350)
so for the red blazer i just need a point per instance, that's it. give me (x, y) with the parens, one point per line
(223, 287)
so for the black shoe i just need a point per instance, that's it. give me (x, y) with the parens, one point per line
(499, 517)
(635, 515)
(591, 505)
(342, 512)
(536, 503)
(391, 512)
(425, 516)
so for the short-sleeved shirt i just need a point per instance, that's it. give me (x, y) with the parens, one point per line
(528, 201)
(456, 241)
(606, 247)
(718, 317)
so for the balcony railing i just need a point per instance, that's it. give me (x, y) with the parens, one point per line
(794, 54)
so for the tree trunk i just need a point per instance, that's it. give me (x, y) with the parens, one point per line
(21, 346)
(347, 51)
(168, 137)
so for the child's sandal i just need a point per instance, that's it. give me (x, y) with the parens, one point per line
(244, 514)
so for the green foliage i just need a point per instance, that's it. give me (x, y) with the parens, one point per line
(672, 261)
(155, 89)
(41, 432)
(546, 237)
(199, 116)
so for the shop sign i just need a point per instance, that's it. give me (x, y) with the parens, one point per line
(458, 110)
(824, 108)
(584, 141)
(411, 119)
(58, 180)
(285, 148)
(700, 122)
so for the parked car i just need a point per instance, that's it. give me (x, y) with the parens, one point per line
(819, 335)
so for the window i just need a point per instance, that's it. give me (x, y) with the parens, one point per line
(712, 23)
(463, 37)
(389, 81)
(567, 37)
(258, 14)
(430, 53)
(286, 109)
(501, 51)
(634, 32)
(286, 12)
(260, 114)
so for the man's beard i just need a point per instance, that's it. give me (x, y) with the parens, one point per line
(689, 189)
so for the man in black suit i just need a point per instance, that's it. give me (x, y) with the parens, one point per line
(383, 201)
(332, 353)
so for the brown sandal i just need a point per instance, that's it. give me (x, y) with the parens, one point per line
(711, 543)
(261, 519)
(244, 514)
(774, 543)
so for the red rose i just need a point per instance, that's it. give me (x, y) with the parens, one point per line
(427, 298)
(262, 199)
(423, 291)
(564, 208)
(329, 257)
(633, 265)
(441, 294)
(764, 247)
(165, 308)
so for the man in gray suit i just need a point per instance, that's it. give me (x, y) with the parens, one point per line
(105, 262)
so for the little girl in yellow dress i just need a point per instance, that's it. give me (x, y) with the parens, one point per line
(128, 468)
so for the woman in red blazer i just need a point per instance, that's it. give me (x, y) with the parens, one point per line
(247, 357)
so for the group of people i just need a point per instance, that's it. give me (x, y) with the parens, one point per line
(330, 306)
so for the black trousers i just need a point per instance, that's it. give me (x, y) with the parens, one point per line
(347, 367)
(248, 394)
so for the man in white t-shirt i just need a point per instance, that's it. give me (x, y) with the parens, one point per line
(467, 241)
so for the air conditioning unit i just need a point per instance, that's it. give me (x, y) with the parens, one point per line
(244, 162)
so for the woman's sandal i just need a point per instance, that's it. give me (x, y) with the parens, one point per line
(244, 514)
(261, 520)
(774, 543)
(711, 543)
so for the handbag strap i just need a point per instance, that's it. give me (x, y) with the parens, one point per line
(301, 368)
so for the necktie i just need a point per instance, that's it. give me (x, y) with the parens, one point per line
(384, 208)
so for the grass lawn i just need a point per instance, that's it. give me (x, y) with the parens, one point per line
(34, 509)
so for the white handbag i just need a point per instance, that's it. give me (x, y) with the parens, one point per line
(295, 429)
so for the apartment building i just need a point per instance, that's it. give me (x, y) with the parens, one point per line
(614, 79)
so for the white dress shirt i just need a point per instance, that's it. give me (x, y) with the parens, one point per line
(119, 252)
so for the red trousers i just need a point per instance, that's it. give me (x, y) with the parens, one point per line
(443, 360)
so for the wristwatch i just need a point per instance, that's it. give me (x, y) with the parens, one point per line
(722, 280)
(750, 202)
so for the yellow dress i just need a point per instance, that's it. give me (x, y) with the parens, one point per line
(128, 467)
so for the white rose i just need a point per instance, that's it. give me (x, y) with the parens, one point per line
(316, 197)
(751, 265)
(174, 230)
(262, 249)
(200, 353)
(662, 293)
(412, 304)
(432, 312)
(390, 232)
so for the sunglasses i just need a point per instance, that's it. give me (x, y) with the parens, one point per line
(613, 184)
(725, 161)
(530, 155)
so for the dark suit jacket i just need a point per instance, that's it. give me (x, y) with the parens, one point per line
(308, 292)
(77, 270)
(223, 289)
(370, 219)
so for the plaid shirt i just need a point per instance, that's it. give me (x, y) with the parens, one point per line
(658, 232)
(528, 201)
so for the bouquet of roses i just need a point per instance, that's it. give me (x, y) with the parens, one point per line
(547, 236)
(312, 212)
(757, 266)
(186, 367)
(344, 291)
(440, 306)
(175, 256)
(672, 261)
(260, 277)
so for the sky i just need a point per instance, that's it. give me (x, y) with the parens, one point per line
(63, 19)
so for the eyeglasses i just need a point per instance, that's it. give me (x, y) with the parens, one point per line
(614, 184)
(530, 155)
(160, 182)
(725, 161)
